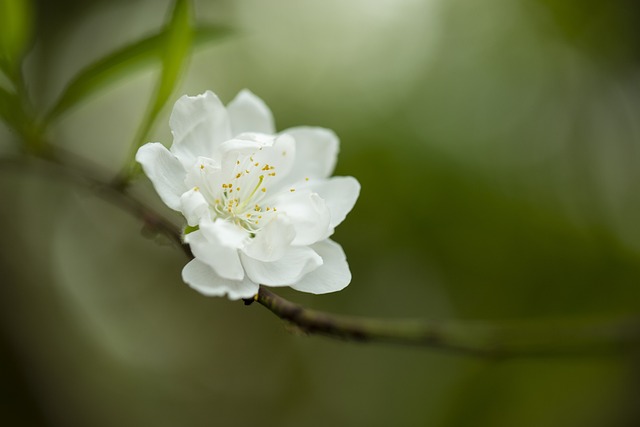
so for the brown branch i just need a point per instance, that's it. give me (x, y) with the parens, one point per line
(537, 338)
(66, 165)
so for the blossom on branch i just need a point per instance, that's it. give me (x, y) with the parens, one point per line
(260, 205)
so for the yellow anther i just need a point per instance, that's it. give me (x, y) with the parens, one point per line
(272, 174)
(292, 190)
(306, 179)
(256, 164)
(201, 166)
(238, 175)
(264, 190)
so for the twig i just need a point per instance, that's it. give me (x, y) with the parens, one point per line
(535, 338)
(81, 171)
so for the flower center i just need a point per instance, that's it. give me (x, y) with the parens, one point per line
(241, 198)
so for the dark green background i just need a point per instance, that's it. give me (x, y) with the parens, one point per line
(498, 147)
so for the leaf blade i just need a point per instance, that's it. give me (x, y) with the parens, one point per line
(16, 25)
(121, 63)
(11, 111)
(109, 69)
(177, 48)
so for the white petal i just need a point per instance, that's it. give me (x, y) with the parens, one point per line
(339, 193)
(280, 157)
(295, 263)
(258, 151)
(194, 207)
(165, 172)
(333, 275)
(316, 152)
(199, 124)
(246, 143)
(204, 279)
(211, 246)
(308, 213)
(248, 113)
(272, 241)
(224, 232)
(204, 174)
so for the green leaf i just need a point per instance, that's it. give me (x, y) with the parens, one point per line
(121, 63)
(189, 229)
(16, 23)
(111, 68)
(11, 110)
(176, 49)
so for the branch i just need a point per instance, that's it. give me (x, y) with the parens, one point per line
(68, 166)
(535, 338)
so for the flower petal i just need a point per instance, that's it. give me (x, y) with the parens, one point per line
(204, 279)
(205, 174)
(280, 158)
(194, 207)
(165, 172)
(333, 275)
(199, 124)
(272, 241)
(245, 144)
(295, 263)
(248, 113)
(260, 154)
(316, 152)
(308, 213)
(339, 193)
(216, 244)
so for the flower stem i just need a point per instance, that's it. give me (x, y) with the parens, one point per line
(537, 338)
(532, 338)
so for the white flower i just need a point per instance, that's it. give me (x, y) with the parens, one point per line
(262, 204)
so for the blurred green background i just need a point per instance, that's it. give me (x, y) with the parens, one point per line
(498, 147)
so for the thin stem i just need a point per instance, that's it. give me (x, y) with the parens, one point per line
(484, 339)
(89, 175)
(534, 338)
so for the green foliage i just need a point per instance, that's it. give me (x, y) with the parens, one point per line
(10, 111)
(16, 22)
(176, 49)
(124, 62)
